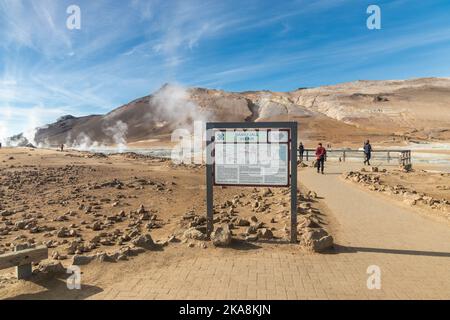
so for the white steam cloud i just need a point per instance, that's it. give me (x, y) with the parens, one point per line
(3, 132)
(172, 106)
(117, 132)
(82, 142)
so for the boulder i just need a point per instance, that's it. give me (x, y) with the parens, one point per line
(316, 240)
(143, 241)
(221, 236)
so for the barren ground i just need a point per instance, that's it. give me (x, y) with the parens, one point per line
(368, 229)
(61, 198)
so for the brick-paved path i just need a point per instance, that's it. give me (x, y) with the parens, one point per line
(412, 251)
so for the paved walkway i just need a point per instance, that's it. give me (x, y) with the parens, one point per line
(412, 252)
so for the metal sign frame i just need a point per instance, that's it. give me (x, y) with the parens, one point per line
(292, 155)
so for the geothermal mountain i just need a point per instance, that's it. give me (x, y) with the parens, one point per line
(417, 109)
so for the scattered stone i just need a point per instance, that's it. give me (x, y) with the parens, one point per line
(312, 195)
(79, 260)
(301, 164)
(317, 240)
(6, 213)
(141, 209)
(128, 251)
(307, 223)
(251, 238)
(221, 237)
(267, 192)
(252, 230)
(97, 226)
(144, 241)
(240, 222)
(57, 256)
(63, 233)
(195, 234)
(265, 234)
(51, 267)
(304, 205)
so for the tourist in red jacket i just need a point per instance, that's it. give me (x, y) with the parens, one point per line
(320, 156)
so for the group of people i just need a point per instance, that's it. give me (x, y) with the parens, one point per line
(321, 154)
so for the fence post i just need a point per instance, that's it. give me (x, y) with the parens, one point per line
(23, 271)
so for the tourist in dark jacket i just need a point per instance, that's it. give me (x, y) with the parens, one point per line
(320, 156)
(301, 150)
(367, 152)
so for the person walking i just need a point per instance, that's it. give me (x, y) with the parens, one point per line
(301, 150)
(367, 152)
(320, 156)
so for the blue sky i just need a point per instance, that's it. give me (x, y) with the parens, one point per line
(128, 49)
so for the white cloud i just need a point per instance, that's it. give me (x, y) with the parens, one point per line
(34, 24)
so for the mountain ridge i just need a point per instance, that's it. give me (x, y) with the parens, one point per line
(385, 109)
